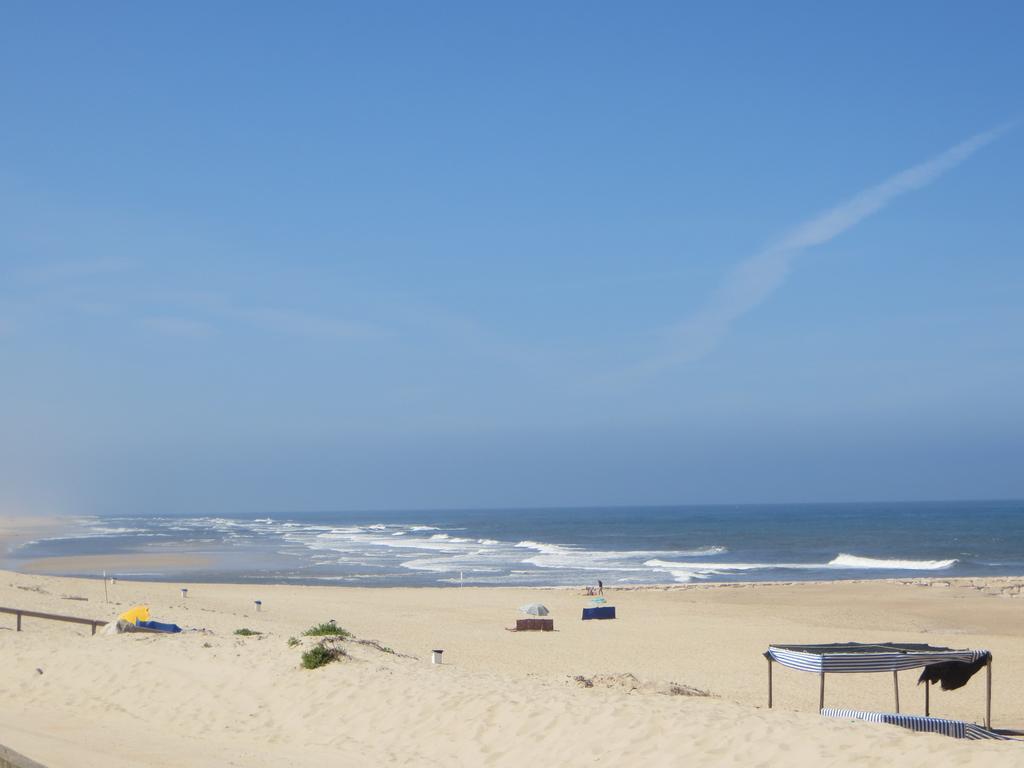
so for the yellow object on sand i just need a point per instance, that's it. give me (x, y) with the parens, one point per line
(135, 614)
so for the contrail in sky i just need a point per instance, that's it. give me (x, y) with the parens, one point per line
(752, 281)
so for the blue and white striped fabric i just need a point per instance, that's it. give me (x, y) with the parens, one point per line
(859, 657)
(958, 729)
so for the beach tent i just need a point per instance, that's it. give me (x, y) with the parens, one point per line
(845, 658)
(535, 609)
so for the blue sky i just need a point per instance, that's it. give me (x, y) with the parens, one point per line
(256, 258)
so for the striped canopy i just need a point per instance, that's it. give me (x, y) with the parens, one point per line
(862, 657)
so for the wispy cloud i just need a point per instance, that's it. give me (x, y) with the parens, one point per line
(218, 311)
(296, 323)
(752, 281)
(180, 327)
(61, 271)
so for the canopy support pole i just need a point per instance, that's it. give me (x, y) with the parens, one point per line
(769, 682)
(896, 689)
(821, 693)
(988, 693)
(927, 703)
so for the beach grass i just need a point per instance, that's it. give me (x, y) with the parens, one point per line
(327, 629)
(320, 655)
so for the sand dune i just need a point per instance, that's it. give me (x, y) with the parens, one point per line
(502, 698)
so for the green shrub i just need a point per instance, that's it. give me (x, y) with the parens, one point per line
(319, 655)
(328, 629)
(246, 632)
(293, 641)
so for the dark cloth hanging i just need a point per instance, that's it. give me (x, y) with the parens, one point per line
(953, 674)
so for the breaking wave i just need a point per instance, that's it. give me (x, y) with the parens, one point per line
(853, 561)
(688, 571)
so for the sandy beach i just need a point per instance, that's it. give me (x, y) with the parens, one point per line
(590, 693)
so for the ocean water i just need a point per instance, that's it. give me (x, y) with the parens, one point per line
(561, 547)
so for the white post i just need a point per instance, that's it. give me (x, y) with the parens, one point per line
(435, 656)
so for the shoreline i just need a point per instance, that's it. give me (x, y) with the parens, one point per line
(66, 565)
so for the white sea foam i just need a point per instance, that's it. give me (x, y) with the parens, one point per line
(607, 561)
(684, 572)
(540, 546)
(853, 561)
(448, 565)
(115, 531)
(731, 566)
(687, 571)
(703, 552)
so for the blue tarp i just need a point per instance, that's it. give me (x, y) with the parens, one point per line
(602, 612)
(156, 626)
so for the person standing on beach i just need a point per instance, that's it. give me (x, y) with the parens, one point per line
(600, 587)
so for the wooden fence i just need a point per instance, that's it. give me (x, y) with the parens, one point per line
(20, 612)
